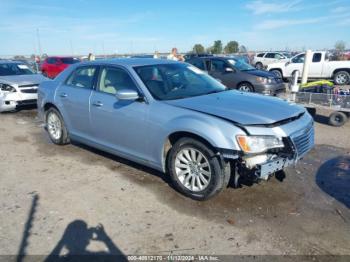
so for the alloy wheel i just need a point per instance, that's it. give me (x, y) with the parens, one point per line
(192, 169)
(54, 125)
(342, 79)
(244, 88)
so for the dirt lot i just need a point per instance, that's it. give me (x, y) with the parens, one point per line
(49, 195)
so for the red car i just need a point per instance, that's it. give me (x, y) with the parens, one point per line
(54, 65)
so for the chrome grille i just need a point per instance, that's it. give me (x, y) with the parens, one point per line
(303, 140)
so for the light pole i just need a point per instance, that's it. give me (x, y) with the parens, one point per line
(39, 43)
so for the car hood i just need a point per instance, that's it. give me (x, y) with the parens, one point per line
(277, 65)
(260, 73)
(21, 80)
(242, 108)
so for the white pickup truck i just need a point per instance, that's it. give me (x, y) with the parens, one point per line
(320, 67)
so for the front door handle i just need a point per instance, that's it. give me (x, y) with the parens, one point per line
(63, 95)
(97, 104)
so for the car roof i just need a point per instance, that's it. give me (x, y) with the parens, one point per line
(213, 57)
(130, 61)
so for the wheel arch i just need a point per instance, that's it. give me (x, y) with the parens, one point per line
(277, 69)
(340, 69)
(172, 138)
(49, 105)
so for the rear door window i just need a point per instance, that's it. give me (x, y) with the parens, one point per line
(261, 55)
(270, 55)
(198, 63)
(82, 77)
(316, 57)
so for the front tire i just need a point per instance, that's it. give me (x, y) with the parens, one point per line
(56, 128)
(195, 170)
(277, 73)
(341, 78)
(245, 87)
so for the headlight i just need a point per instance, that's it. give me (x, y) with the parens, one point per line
(7, 88)
(264, 80)
(258, 144)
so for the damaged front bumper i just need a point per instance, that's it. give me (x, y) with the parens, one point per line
(265, 170)
(10, 101)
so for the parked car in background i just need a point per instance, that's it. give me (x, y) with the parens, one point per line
(18, 85)
(175, 118)
(262, 60)
(54, 65)
(320, 68)
(236, 74)
(193, 55)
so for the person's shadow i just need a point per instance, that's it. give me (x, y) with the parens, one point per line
(333, 177)
(75, 240)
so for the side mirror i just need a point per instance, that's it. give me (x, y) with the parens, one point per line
(229, 70)
(127, 94)
(287, 63)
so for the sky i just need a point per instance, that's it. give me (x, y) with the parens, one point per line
(77, 27)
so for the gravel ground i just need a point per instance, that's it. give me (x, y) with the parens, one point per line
(53, 199)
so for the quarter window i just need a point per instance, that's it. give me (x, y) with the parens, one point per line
(115, 79)
(82, 77)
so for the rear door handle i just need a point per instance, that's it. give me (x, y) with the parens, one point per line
(63, 95)
(97, 104)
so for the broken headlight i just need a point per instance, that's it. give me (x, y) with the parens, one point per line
(7, 88)
(258, 144)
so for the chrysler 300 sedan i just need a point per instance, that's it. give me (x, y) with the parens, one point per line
(174, 118)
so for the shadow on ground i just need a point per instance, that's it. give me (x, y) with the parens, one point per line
(333, 177)
(75, 240)
(73, 245)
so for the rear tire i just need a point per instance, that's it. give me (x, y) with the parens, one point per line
(341, 78)
(337, 119)
(55, 127)
(195, 170)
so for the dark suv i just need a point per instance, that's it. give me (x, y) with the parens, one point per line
(236, 74)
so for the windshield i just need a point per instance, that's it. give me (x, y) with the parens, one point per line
(14, 69)
(288, 55)
(69, 60)
(241, 65)
(177, 81)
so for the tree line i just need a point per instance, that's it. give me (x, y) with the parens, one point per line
(218, 48)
